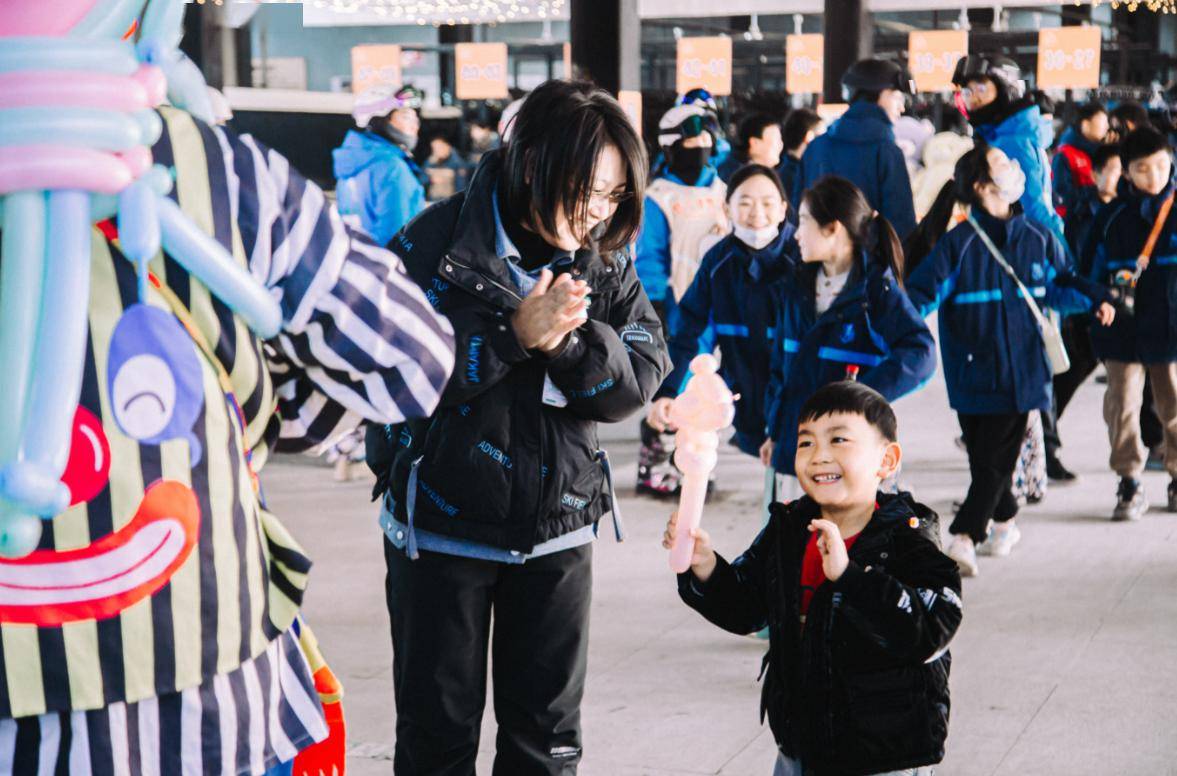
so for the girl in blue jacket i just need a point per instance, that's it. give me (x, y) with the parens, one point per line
(843, 306)
(731, 303)
(995, 362)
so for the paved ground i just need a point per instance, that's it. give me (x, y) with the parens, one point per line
(1066, 662)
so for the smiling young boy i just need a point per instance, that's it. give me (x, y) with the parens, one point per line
(859, 601)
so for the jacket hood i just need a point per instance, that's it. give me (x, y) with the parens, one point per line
(360, 150)
(1022, 121)
(864, 123)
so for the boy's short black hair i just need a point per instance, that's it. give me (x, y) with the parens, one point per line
(849, 397)
(1089, 109)
(1104, 154)
(751, 171)
(797, 126)
(752, 126)
(1141, 142)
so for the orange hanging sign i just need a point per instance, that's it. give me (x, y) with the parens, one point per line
(1068, 58)
(375, 66)
(632, 103)
(706, 63)
(481, 71)
(804, 64)
(932, 57)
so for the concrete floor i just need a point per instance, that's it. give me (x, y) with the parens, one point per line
(1066, 662)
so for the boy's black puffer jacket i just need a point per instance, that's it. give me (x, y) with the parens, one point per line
(495, 464)
(863, 686)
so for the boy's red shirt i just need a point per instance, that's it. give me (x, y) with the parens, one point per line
(812, 574)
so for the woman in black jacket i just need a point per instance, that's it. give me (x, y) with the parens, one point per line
(492, 503)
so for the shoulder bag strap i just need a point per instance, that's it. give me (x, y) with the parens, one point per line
(1151, 243)
(1034, 310)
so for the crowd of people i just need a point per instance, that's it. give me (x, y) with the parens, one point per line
(566, 278)
(805, 256)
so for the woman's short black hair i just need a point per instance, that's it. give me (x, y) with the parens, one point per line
(558, 135)
(751, 171)
(1141, 142)
(797, 125)
(1130, 111)
(849, 397)
(752, 126)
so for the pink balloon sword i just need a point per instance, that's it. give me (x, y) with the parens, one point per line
(699, 413)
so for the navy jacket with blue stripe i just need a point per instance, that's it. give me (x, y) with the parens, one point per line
(731, 302)
(994, 358)
(1149, 335)
(872, 324)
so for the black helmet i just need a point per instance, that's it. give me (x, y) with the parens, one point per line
(873, 76)
(1003, 71)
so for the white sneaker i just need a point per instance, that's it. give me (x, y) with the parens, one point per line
(961, 550)
(1001, 539)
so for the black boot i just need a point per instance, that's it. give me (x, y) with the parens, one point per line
(1057, 472)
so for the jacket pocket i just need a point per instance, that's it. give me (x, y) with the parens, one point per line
(977, 370)
(584, 487)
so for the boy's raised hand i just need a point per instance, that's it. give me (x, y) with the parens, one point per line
(834, 558)
(766, 452)
(703, 556)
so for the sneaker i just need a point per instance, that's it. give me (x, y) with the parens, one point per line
(1001, 539)
(661, 482)
(1173, 495)
(1130, 501)
(1057, 472)
(961, 550)
(1156, 459)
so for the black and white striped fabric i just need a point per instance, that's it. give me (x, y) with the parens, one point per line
(243, 722)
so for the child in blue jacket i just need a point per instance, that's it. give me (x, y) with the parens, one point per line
(995, 361)
(1144, 341)
(731, 303)
(843, 306)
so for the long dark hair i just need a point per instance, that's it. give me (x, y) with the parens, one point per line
(971, 169)
(833, 198)
(551, 159)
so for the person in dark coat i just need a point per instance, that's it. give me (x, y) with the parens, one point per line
(995, 360)
(860, 603)
(860, 145)
(1143, 340)
(731, 304)
(491, 504)
(801, 126)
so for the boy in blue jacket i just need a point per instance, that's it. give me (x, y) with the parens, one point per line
(379, 185)
(860, 145)
(995, 103)
(843, 307)
(731, 303)
(994, 356)
(1132, 248)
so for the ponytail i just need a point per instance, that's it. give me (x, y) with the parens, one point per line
(972, 168)
(887, 249)
(836, 199)
(921, 241)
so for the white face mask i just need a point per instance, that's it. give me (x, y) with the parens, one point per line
(1011, 184)
(755, 238)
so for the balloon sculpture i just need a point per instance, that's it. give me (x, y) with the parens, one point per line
(76, 128)
(699, 412)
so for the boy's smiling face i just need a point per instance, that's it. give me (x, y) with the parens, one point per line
(841, 459)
